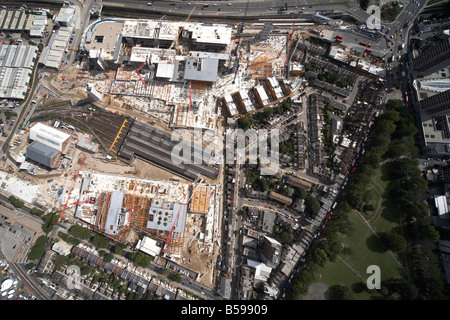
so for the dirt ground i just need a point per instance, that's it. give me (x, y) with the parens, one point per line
(197, 255)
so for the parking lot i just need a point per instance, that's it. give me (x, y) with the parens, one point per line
(15, 239)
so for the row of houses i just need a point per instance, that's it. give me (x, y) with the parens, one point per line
(245, 101)
(137, 281)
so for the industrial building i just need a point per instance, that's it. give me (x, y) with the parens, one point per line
(50, 137)
(16, 66)
(38, 25)
(53, 54)
(148, 246)
(15, 20)
(44, 155)
(155, 145)
(93, 93)
(66, 16)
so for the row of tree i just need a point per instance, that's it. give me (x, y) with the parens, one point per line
(393, 144)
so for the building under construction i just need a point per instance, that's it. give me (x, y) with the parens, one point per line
(123, 208)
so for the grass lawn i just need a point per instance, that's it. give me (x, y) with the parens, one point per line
(385, 216)
(337, 273)
(367, 250)
(365, 247)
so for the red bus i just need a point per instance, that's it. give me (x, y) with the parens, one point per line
(369, 50)
(363, 43)
(369, 45)
(353, 170)
(339, 36)
(339, 40)
(406, 96)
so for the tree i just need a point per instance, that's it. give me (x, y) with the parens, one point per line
(141, 259)
(286, 237)
(245, 122)
(80, 232)
(38, 249)
(118, 249)
(100, 241)
(60, 261)
(339, 292)
(312, 205)
(37, 211)
(16, 202)
(108, 257)
(319, 257)
(393, 241)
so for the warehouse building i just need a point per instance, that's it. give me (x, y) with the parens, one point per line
(16, 65)
(38, 25)
(15, 20)
(43, 154)
(50, 137)
(53, 54)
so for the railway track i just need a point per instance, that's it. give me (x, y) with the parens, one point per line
(30, 282)
(109, 128)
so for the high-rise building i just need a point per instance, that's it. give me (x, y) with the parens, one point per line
(433, 58)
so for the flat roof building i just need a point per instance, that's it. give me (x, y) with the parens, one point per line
(50, 136)
(433, 58)
(438, 104)
(148, 246)
(43, 154)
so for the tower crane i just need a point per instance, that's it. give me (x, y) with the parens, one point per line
(289, 40)
(70, 192)
(181, 29)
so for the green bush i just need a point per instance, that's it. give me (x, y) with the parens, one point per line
(80, 232)
(38, 249)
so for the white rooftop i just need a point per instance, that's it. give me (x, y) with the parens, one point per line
(149, 246)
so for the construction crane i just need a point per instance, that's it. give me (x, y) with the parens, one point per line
(190, 105)
(128, 78)
(365, 48)
(289, 40)
(379, 59)
(70, 192)
(181, 29)
(178, 213)
(79, 202)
